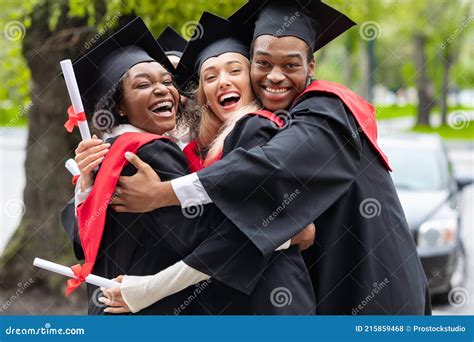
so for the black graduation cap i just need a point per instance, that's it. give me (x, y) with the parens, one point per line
(172, 42)
(310, 20)
(108, 60)
(213, 36)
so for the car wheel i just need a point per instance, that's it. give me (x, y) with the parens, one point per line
(459, 276)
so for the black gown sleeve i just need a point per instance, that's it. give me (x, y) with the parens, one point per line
(69, 221)
(226, 253)
(272, 192)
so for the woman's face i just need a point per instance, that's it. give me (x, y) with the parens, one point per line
(150, 100)
(225, 81)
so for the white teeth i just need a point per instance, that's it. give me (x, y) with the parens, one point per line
(228, 95)
(276, 90)
(165, 104)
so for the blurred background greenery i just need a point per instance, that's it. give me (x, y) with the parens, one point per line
(409, 58)
(413, 59)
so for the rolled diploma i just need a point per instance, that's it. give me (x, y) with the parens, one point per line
(75, 96)
(66, 271)
(72, 167)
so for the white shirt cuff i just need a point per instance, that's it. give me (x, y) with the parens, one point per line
(80, 196)
(286, 245)
(139, 292)
(190, 191)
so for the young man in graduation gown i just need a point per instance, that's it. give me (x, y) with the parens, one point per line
(328, 152)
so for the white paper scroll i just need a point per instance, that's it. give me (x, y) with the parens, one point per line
(66, 271)
(75, 96)
(72, 167)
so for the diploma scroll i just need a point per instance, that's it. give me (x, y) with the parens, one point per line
(66, 271)
(72, 167)
(75, 96)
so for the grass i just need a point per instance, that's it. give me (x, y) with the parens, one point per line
(393, 112)
(13, 117)
(464, 131)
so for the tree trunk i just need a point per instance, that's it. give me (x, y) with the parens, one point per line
(423, 85)
(447, 62)
(363, 88)
(371, 69)
(48, 184)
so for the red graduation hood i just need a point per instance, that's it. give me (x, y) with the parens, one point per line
(91, 214)
(191, 151)
(362, 110)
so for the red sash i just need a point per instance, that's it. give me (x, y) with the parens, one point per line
(362, 110)
(91, 214)
(191, 151)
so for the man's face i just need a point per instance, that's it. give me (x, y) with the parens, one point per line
(279, 70)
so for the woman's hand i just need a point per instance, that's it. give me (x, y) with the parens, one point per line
(113, 299)
(89, 154)
(305, 238)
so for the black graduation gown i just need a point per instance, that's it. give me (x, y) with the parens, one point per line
(244, 281)
(130, 245)
(320, 169)
(284, 286)
(144, 244)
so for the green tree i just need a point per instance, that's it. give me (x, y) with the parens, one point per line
(50, 32)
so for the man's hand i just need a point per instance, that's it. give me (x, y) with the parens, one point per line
(135, 194)
(305, 238)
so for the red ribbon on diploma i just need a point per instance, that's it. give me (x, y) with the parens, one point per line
(73, 119)
(81, 272)
(74, 179)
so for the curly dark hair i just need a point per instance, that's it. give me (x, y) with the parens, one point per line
(106, 111)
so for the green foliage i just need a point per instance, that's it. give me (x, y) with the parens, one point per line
(449, 133)
(440, 21)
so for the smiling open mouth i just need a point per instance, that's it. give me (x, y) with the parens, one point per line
(162, 108)
(276, 90)
(229, 99)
